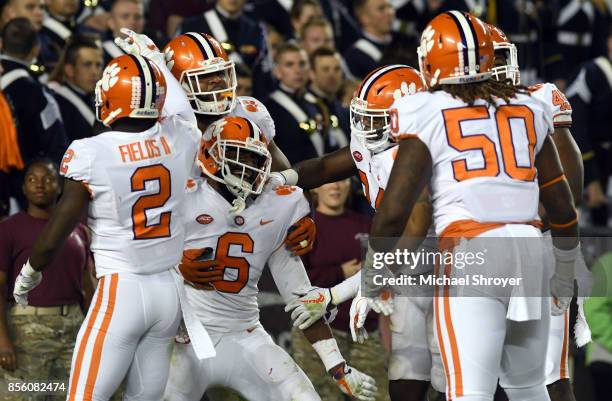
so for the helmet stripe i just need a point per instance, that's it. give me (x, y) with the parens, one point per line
(468, 40)
(153, 86)
(203, 45)
(141, 75)
(213, 49)
(374, 75)
(251, 129)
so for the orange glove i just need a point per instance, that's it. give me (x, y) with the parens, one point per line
(200, 274)
(301, 236)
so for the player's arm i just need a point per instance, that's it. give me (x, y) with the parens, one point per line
(418, 223)
(63, 220)
(571, 161)
(291, 280)
(556, 196)
(313, 173)
(279, 160)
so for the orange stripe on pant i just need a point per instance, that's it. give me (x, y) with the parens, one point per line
(563, 374)
(452, 338)
(76, 369)
(439, 335)
(99, 344)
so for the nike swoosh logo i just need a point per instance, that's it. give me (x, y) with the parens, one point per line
(264, 222)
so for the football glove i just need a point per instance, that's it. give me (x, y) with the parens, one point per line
(562, 281)
(360, 307)
(139, 45)
(301, 236)
(311, 306)
(354, 383)
(26, 281)
(198, 271)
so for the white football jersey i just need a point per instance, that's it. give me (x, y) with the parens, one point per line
(483, 158)
(137, 185)
(561, 107)
(254, 110)
(244, 243)
(373, 169)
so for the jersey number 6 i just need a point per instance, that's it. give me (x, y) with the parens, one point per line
(509, 150)
(140, 226)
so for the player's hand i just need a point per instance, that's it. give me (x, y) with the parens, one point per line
(140, 45)
(383, 303)
(199, 271)
(27, 280)
(301, 236)
(595, 195)
(559, 288)
(310, 306)
(8, 358)
(360, 307)
(354, 383)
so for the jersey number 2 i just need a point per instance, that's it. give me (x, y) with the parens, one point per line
(140, 226)
(503, 116)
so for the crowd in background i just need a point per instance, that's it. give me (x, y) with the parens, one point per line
(304, 59)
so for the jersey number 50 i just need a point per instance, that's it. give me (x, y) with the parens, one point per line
(140, 226)
(504, 114)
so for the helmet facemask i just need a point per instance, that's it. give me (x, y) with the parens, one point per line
(244, 166)
(370, 126)
(218, 100)
(508, 67)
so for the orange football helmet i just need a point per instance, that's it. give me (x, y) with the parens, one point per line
(369, 110)
(234, 152)
(505, 52)
(131, 86)
(193, 58)
(455, 48)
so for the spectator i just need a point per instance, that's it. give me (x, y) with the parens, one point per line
(40, 128)
(297, 111)
(123, 14)
(598, 311)
(590, 95)
(316, 33)
(241, 37)
(325, 83)
(10, 157)
(34, 10)
(335, 257)
(166, 16)
(379, 44)
(303, 11)
(38, 342)
(58, 25)
(244, 80)
(74, 81)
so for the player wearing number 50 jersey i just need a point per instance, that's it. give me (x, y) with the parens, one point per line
(557, 369)
(483, 147)
(131, 180)
(226, 252)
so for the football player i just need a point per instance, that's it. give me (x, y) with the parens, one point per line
(208, 78)
(131, 180)
(226, 251)
(483, 147)
(506, 67)
(414, 357)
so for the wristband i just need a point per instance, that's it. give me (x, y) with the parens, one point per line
(290, 176)
(328, 353)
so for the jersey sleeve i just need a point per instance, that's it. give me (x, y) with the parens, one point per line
(176, 103)
(295, 206)
(288, 273)
(561, 108)
(76, 163)
(405, 117)
(254, 110)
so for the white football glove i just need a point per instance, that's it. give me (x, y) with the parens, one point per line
(360, 307)
(140, 45)
(562, 281)
(383, 303)
(355, 384)
(27, 280)
(311, 306)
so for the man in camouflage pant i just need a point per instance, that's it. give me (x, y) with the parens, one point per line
(369, 358)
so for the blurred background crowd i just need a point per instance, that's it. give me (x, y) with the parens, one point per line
(303, 59)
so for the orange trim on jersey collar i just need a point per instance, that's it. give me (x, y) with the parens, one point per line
(553, 181)
(406, 136)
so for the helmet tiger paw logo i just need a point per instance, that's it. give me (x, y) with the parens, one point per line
(109, 77)
(168, 55)
(404, 89)
(427, 40)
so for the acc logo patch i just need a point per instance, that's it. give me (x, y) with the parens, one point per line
(357, 156)
(204, 219)
(239, 220)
